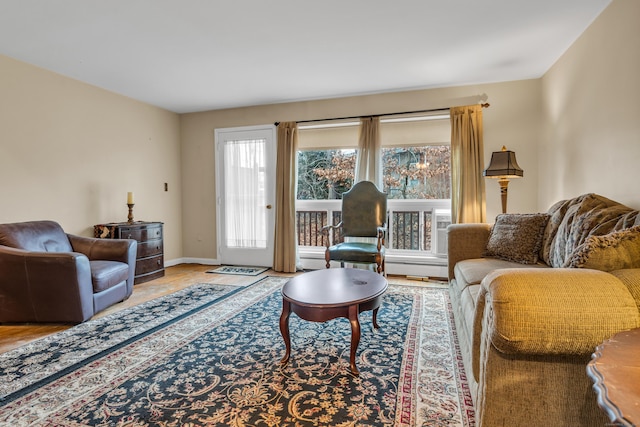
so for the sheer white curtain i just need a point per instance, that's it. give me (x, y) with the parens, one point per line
(244, 177)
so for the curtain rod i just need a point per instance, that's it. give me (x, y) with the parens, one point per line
(485, 105)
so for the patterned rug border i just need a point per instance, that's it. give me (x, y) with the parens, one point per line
(237, 270)
(418, 389)
(81, 328)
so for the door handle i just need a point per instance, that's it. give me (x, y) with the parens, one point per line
(268, 206)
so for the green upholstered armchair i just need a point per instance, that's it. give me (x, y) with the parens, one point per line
(364, 214)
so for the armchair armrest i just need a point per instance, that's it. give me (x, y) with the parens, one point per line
(123, 250)
(44, 286)
(381, 233)
(466, 241)
(559, 311)
(325, 231)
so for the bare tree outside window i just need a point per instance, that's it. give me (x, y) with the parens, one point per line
(408, 172)
(325, 174)
(417, 172)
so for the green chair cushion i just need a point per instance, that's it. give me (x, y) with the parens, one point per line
(355, 252)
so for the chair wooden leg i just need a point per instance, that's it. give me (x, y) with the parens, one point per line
(380, 264)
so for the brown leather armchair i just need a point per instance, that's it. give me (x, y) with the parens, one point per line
(47, 275)
(364, 214)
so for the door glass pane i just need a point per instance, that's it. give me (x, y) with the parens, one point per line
(245, 192)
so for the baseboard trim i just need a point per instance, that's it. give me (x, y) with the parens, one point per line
(401, 269)
(204, 261)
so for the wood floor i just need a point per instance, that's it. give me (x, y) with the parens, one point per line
(176, 278)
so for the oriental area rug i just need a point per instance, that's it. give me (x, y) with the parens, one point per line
(209, 355)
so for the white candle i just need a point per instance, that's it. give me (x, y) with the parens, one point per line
(129, 198)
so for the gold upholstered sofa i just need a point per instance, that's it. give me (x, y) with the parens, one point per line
(533, 295)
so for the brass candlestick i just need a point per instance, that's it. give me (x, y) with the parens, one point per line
(130, 217)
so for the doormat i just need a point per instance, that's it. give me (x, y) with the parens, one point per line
(238, 269)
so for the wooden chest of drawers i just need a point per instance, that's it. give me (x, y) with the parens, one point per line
(150, 257)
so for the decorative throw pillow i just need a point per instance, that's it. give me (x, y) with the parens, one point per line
(517, 237)
(613, 251)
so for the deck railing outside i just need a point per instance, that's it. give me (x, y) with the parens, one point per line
(413, 226)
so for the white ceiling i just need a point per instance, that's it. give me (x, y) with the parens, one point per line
(196, 55)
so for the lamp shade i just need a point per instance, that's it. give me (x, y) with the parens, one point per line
(503, 164)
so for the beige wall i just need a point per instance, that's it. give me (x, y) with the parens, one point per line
(591, 110)
(70, 152)
(512, 120)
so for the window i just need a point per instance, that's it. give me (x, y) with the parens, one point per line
(420, 172)
(416, 176)
(415, 173)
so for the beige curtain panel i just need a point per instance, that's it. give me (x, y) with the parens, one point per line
(285, 254)
(368, 167)
(467, 163)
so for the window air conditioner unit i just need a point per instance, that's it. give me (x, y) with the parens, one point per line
(440, 222)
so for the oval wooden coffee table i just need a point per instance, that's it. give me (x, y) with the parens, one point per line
(322, 295)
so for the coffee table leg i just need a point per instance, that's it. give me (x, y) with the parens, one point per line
(355, 337)
(375, 318)
(284, 330)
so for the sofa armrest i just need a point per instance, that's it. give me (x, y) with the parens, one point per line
(630, 277)
(559, 311)
(123, 250)
(466, 241)
(44, 286)
(554, 311)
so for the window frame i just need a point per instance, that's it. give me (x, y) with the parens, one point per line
(410, 256)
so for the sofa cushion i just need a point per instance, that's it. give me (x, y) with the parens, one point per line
(472, 271)
(517, 237)
(107, 274)
(614, 251)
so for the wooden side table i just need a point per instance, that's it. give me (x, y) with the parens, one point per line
(615, 371)
(150, 256)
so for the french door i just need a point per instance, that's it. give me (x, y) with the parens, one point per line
(245, 186)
